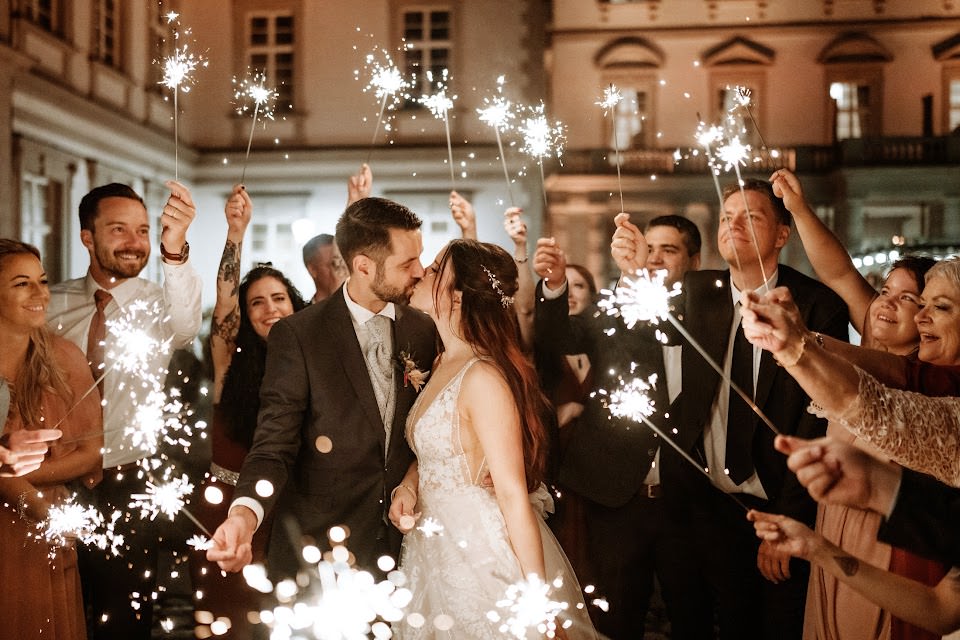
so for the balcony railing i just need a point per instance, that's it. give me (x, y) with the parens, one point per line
(873, 152)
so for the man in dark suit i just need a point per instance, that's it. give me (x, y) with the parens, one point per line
(759, 592)
(329, 445)
(609, 461)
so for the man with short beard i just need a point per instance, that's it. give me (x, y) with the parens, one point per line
(115, 229)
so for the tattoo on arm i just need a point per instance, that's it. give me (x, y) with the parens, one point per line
(230, 266)
(848, 565)
(227, 328)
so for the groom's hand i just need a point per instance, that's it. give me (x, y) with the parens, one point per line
(233, 540)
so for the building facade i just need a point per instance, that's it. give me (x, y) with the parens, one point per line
(860, 97)
(83, 103)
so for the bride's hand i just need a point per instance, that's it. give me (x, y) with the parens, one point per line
(402, 508)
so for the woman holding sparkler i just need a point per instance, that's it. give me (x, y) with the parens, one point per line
(242, 317)
(51, 384)
(886, 322)
(480, 414)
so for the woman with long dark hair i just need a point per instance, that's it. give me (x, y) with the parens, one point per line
(479, 417)
(242, 317)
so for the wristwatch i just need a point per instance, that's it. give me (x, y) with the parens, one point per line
(178, 258)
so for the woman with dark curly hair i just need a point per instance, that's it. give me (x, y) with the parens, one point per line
(242, 317)
(479, 417)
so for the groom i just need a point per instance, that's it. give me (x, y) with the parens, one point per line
(329, 445)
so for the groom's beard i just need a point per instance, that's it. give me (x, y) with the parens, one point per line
(392, 293)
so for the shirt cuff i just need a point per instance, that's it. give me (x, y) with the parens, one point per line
(553, 294)
(896, 497)
(251, 504)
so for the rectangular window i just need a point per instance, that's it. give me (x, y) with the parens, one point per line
(426, 35)
(162, 42)
(106, 47)
(852, 109)
(40, 220)
(43, 13)
(631, 120)
(271, 51)
(953, 118)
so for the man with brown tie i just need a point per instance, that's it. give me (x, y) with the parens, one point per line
(115, 229)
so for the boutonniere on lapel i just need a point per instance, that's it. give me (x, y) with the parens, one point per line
(411, 374)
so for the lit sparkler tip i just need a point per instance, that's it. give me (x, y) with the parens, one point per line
(163, 497)
(438, 103)
(643, 298)
(200, 543)
(632, 399)
(171, 16)
(610, 99)
(734, 153)
(540, 138)
(529, 606)
(741, 96)
(707, 136)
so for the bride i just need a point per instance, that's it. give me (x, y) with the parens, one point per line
(479, 416)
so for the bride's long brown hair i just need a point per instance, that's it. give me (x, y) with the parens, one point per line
(487, 277)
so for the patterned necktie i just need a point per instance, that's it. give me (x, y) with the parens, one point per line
(378, 354)
(740, 417)
(96, 336)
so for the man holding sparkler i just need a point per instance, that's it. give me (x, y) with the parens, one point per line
(115, 229)
(760, 593)
(610, 461)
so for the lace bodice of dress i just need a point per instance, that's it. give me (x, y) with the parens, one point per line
(915, 430)
(435, 439)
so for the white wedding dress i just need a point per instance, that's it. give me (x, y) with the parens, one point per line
(458, 560)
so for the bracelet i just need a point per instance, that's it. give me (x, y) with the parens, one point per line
(521, 260)
(803, 348)
(403, 486)
(819, 339)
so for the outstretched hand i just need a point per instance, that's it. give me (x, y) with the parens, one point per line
(772, 320)
(238, 210)
(550, 263)
(786, 186)
(233, 541)
(835, 472)
(178, 214)
(24, 450)
(464, 215)
(360, 184)
(783, 535)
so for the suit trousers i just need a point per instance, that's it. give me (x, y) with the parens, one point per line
(628, 546)
(724, 546)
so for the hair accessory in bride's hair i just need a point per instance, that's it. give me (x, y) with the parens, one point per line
(505, 300)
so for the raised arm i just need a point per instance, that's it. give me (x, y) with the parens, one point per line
(826, 253)
(360, 184)
(226, 311)
(464, 215)
(516, 228)
(181, 282)
(936, 608)
(490, 411)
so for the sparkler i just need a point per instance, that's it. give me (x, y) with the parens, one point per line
(386, 82)
(707, 137)
(252, 91)
(162, 497)
(644, 299)
(530, 607)
(734, 153)
(609, 101)
(339, 603)
(440, 104)
(631, 401)
(497, 114)
(542, 139)
(70, 520)
(178, 68)
(742, 100)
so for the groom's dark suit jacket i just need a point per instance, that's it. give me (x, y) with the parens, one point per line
(320, 439)
(707, 314)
